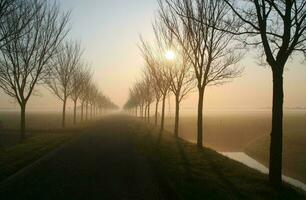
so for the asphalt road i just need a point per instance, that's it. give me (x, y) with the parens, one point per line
(102, 164)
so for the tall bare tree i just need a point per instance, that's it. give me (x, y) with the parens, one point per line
(25, 57)
(6, 6)
(87, 76)
(62, 71)
(86, 98)
(136, 98)
(93, 93)
(139, 95)
(157, 95)
(153, 73)
(79, 80)
(278, 28)
(163, 85)
(177, 70)
(154, 56)
(209, 50)
(16, 12)
(181, 80)
(147, 86)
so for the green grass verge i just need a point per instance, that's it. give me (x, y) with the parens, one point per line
(19, 156)
(186, 172)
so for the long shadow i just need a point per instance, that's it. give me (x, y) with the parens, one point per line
(228, 183)
(183, 155)
(164, 183)
(187, 167)
(159, 137)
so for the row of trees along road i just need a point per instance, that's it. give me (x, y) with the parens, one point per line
(209, 38)
(71, 77)
(34, 50)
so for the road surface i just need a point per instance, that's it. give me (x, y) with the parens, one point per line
(103, 163)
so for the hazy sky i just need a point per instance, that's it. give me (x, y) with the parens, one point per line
(109, 32)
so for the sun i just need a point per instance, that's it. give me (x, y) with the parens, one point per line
(170, 55)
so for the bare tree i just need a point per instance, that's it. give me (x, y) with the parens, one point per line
(157, 95)
(132, 102)
(178, 73)
(137, 98)
(163, 86)
(63, 68)
(177, 70)
(86, 97)
(6, 6)
(139, 95)
(97, 101)
(79, 80)
(16, 12)
(105, 103)
(92, 95)
(147, 85)
(209, 50)
(24, 59)
(278, 28)
(154, 56)
(84, 92)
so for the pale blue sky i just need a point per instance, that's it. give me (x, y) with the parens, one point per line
(109, 32)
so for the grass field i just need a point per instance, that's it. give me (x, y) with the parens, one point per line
(44, 133)
(193, 174)
(34, 120)
(18, 156)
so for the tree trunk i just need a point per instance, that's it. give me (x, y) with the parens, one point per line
(145, 113)
(163, 113)
(91, 114)
(177, 117)
(156, 111)
(82, 111)
(86, 111)
(74, 112)
(22, 121)
(200, 118)
(276, 146)
(148, 112)
(64, 113)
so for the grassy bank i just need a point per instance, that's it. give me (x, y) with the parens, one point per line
(294, 159)
(185, 172)
(16, 157)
